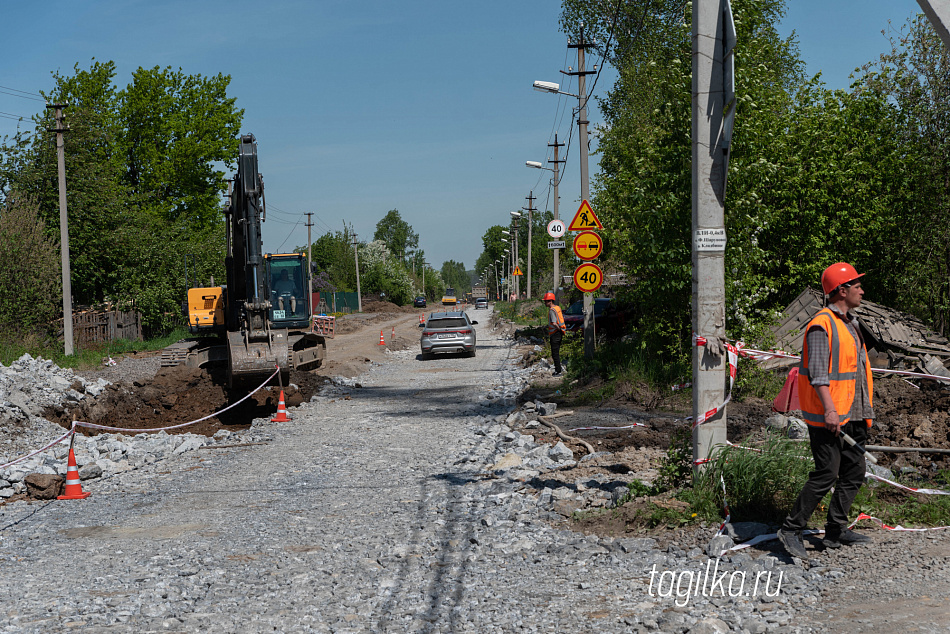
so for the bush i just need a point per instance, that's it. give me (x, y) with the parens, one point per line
(30, 287)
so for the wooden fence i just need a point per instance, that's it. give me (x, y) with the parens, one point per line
(96, 326)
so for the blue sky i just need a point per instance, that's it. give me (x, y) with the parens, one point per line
(360, 107)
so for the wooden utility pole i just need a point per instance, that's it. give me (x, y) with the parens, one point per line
(64, 230)
(713, 107)
(530, 209)
(309, 255)
(359, 293)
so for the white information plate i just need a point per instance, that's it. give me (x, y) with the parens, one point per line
(709, 239)
(557, 245)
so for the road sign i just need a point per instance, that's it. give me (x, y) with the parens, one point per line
(584, 219)
(517, 271)
(558, 244)
(588, 277)
(556, 228)
(588, 245)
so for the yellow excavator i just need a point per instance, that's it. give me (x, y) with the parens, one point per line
(262, 319)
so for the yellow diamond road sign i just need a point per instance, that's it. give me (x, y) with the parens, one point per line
(585, 219)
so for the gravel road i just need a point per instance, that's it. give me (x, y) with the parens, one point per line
(374, 511)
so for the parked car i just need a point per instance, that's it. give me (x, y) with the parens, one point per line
(481, 302)
(419, 302)
(574, 315)
(448, 332)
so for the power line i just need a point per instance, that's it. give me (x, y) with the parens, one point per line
(13, 94)
(24, 92)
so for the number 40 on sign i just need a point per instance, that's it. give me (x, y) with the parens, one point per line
(588, 277)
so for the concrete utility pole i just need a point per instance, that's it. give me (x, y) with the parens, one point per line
(557, 178)
(515, 260)
(713, 31)
(64, 230)
(581, 46)
(359, 293)
(938, 12)
(309, 255)
(530, 209)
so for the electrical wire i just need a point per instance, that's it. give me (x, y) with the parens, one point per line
(13, 94)
(610, 36)
(32, 94)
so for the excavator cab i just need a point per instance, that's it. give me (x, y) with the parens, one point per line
(289, 296)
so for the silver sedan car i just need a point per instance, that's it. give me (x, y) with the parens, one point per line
(448, 332)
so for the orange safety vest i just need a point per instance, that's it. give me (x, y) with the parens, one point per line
(842, 371)
(559, 325)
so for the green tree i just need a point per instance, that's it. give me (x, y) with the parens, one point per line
(398, 235)
(176, 129)
(30, 287)
(915, 76)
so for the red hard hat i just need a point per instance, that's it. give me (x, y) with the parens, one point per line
(549, 295)
(838, 274)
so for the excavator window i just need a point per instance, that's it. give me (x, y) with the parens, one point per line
(287, 288)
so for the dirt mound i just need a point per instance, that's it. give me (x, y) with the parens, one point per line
(179, 395)
(377, 306)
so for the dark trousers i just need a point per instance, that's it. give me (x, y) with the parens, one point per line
(838, 465)
(556, 349)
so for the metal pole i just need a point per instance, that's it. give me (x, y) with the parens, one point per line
(710, 378)
(64, 232)
(359, 293)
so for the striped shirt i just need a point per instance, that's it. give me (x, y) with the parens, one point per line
(819, 357)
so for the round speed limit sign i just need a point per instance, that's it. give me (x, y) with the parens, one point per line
(588, 277)
(557, 228)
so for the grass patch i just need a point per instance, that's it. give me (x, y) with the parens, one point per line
(84, 358)
(762, 487)
(620, 368)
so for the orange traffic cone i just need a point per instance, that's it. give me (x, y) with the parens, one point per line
(382, 341)
(422, 319)
(394, 334)
(281, 416)
(73, 487)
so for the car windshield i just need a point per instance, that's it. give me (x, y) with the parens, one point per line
(450, 292)
(577, 308)
(447, 322)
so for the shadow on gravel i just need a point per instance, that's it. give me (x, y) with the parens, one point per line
(39, 508)
(454, 544)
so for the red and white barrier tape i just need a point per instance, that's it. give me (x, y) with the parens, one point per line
(76, 424)
(865, 516)
(30, 455)
(906, 488)
(680, 386)
(725, 504)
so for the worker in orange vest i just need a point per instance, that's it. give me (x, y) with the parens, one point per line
(556, 330)
(836, 397)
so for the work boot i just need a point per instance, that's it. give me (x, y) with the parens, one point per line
(847, 537)
(792, 540)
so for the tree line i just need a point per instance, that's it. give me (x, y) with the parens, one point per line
(391, 265)
(145, 190)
